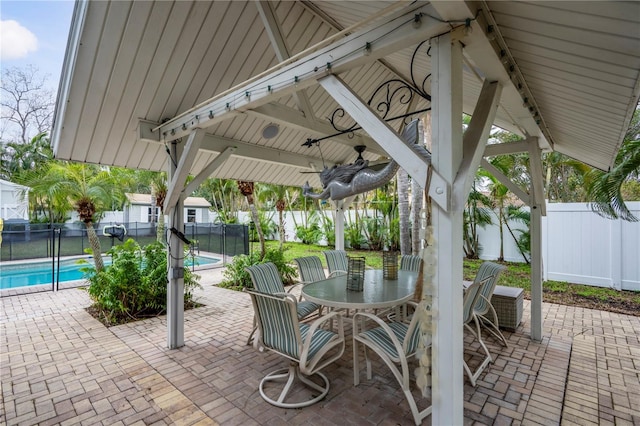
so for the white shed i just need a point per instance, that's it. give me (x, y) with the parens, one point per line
(196, 209)
(14, 201)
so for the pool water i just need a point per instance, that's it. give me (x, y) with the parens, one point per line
(38, 273)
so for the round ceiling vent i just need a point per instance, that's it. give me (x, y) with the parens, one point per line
(270, 131)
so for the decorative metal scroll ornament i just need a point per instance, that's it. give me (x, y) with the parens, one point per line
(391, 93)
(340, 182)
(343, 181)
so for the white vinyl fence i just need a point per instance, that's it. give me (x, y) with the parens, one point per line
(578, 246)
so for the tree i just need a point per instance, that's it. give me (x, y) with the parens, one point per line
(221, 193)
(403, 212)
(26, 104)
(276, 194)
(89, 189)
(158, 195)
(476, 213)
(18, 158)
(605, 189)
(246, 189)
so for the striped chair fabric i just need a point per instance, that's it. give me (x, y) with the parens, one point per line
(282, 333)
(471, 296)
(310, 269)
(410, 263)
(266, 279)
(483, 304)
(395, 343)
(336, 261)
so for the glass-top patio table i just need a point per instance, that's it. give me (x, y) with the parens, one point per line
(378, 291)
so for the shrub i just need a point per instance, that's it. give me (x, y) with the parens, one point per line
(309, 234)
(237, 278)
(135, 284)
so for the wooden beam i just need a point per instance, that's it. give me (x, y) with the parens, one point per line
(506, 148)
(209, 169)
(385, 36)
(279, 44)
(537, 175)
(176, 186)
(447, 337)
(252, 151)
(475, 139)
(387, 138)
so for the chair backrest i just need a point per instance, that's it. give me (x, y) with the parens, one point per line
(336, 260)
(471, 295)
(278, 323)
(266, 278)
(410, 262)
(310, 269)
(486, 270)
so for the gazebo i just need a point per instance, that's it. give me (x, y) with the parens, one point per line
(265, 90)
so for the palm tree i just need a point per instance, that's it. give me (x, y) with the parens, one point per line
(604, 189)
(90, 190)
(475, 214)
(158, 195)
(276, 194)
(403, 212)
(246, 189)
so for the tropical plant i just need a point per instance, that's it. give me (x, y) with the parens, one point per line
(328, 229)
(310, 233)
(135, 284)
(605, 189)
(246, 189)
(237, 278)
(89, 189)
(269, 228)
(475, 215)
(223, 196)
(277, 196)
(158, 195)
(522, 237)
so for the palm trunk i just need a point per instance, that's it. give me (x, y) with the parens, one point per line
(256, 222)
(281, 228)
(416, 207)
(403, 212)
(160, 237)
(94, 243)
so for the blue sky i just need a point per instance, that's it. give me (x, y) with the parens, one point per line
(35, 32)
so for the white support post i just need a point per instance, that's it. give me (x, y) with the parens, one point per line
(538, 209)
(447, 341)
(175, 263)
(339, 224)
(536, 272)
(341, 206)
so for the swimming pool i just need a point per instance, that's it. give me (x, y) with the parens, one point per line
(38, 273)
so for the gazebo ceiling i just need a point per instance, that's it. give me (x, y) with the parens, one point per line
(132, 65)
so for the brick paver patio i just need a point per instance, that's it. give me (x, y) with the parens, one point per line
(61, 366)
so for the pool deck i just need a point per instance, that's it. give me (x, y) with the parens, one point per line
(61, 366)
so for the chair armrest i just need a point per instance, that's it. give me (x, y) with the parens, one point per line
(337, 273)
(381, 324)
(319, 321)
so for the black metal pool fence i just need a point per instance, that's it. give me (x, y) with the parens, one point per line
(41, 240)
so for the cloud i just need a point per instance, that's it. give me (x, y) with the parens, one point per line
(16, 41)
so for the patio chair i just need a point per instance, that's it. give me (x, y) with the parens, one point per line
(336, 261)
(266, 279)
(471, 296)
(305, 345)
(483, 306)
(410, 263)
(311, 270)
(395, 343)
